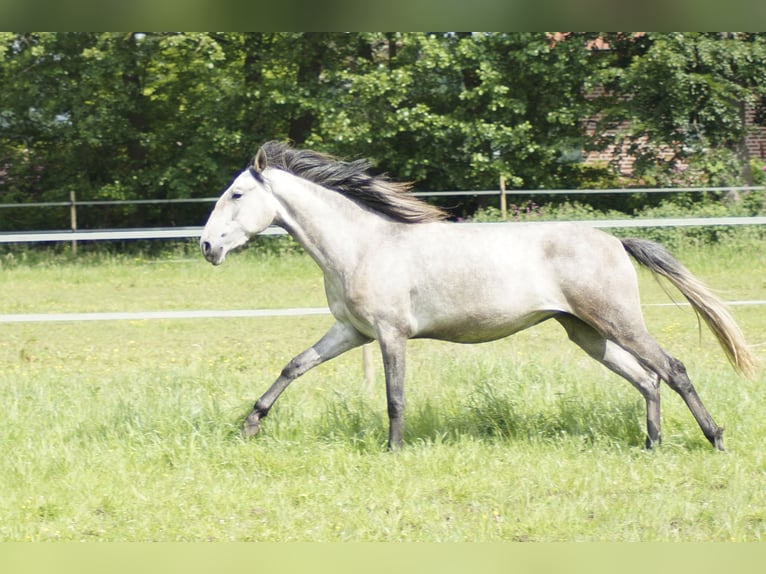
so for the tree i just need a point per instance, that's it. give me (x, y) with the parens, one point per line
(114, 116)
(677, 100)
(459, 110)
(174, 115)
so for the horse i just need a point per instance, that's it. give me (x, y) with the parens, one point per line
(395, 269)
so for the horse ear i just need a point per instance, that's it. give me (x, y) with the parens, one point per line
(259, 163)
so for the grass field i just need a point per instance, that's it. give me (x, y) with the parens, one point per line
(128, 431)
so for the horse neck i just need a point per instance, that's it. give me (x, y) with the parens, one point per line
(332, 228)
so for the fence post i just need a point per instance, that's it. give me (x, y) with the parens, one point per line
(503, 200)
(73, 218)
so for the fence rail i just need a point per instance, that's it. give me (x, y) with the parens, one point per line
(112, 234)
(74, 235)
(195, 232)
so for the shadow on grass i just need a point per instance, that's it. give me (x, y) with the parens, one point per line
(486, 413)
(490, 416)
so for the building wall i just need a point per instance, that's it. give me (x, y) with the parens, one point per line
(756, 141)
(756, 145)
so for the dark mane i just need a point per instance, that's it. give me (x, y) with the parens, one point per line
(352, 180)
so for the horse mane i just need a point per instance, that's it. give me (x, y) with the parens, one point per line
(353, 180)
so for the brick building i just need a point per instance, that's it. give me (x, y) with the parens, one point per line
(755, 141)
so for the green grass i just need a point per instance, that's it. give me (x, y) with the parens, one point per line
(128, 431)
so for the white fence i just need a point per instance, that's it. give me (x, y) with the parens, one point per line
(75, 235)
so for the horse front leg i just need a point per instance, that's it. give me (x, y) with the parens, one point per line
(393, 349)
(339, 339)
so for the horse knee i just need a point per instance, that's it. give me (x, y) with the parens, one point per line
(291, 370)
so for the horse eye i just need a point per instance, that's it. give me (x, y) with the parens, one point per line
(236, 195)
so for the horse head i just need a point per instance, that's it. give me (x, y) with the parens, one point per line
(245, 209)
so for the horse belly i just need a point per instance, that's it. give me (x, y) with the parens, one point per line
(481, 308)
(468, 328)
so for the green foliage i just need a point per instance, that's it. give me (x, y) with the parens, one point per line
(175, 115)
(758, 171)
(677, 99)
(456, 111)
(679, 206)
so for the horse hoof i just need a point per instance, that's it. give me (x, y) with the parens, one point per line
(251, 427)
(718, 444)
(652, 444)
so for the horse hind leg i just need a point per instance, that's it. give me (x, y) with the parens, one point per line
(622, 363)
(639, 343)
(678, 380)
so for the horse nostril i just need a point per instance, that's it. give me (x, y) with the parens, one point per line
(206, 247)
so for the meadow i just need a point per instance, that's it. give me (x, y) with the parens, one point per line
(129, 430)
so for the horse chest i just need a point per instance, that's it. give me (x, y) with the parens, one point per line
(346, 304)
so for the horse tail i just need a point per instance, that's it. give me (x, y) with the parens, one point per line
(706, 304)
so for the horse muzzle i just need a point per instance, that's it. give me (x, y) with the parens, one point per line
(214, 255)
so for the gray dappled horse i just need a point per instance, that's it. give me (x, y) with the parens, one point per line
(394, 270)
